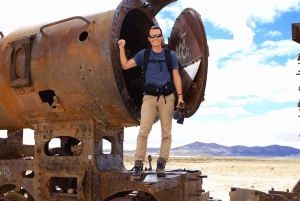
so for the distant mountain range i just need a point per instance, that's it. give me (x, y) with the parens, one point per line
(213, 149)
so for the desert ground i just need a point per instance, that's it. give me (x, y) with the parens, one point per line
(261, 174)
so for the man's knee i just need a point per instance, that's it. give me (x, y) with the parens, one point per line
(166, 137)
(143, 136)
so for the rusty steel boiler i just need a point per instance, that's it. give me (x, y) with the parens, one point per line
(63, 79)
(70, 69)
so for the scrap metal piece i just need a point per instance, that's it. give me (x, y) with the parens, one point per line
(150, 160)
(296, 188)
(239, 194)
(77, 149)
(296, 32)
(294, 195)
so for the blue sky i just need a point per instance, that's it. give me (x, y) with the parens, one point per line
(252, 88)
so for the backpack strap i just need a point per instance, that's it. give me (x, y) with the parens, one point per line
(146, 59)
(144, 67)
(169, 62)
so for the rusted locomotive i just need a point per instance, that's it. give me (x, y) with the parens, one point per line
(63, 80)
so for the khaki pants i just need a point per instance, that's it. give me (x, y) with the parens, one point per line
(150, 108)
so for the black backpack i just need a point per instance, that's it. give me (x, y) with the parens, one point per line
(152, 89)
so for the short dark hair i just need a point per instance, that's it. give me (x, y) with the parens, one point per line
(156, 27)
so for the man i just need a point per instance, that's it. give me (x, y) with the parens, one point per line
(157, 74)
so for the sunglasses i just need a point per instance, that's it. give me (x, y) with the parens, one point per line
(155, 35)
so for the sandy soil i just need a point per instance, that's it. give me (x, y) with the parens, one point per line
(252, 173)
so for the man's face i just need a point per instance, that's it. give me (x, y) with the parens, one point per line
(156, 41)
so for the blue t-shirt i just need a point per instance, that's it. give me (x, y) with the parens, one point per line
(157, 73)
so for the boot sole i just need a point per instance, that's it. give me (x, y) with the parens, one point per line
(161, 174)
(136, 178)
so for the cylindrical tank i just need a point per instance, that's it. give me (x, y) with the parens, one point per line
(70, 70)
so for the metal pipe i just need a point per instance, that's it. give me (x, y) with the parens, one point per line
(64, 20)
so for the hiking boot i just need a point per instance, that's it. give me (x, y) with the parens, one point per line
(160, 169)
(137, 170)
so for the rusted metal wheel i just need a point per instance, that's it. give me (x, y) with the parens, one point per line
(14, 196)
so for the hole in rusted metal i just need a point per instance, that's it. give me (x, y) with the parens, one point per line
(28, 174)
(66, 185)
(48, 96)
(106, 146)
(63, 146)
(29, 139)
(83, 36)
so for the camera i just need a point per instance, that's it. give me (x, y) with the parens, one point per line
(180, 114)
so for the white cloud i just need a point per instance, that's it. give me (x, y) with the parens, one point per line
(231, 14)
(175, 9)
(273, 33)
(229, 112)
(252, 73)
(236, 111)
(278, 48)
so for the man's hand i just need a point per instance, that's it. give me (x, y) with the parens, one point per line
(121, 43)
(126, 64)
(180, 103)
